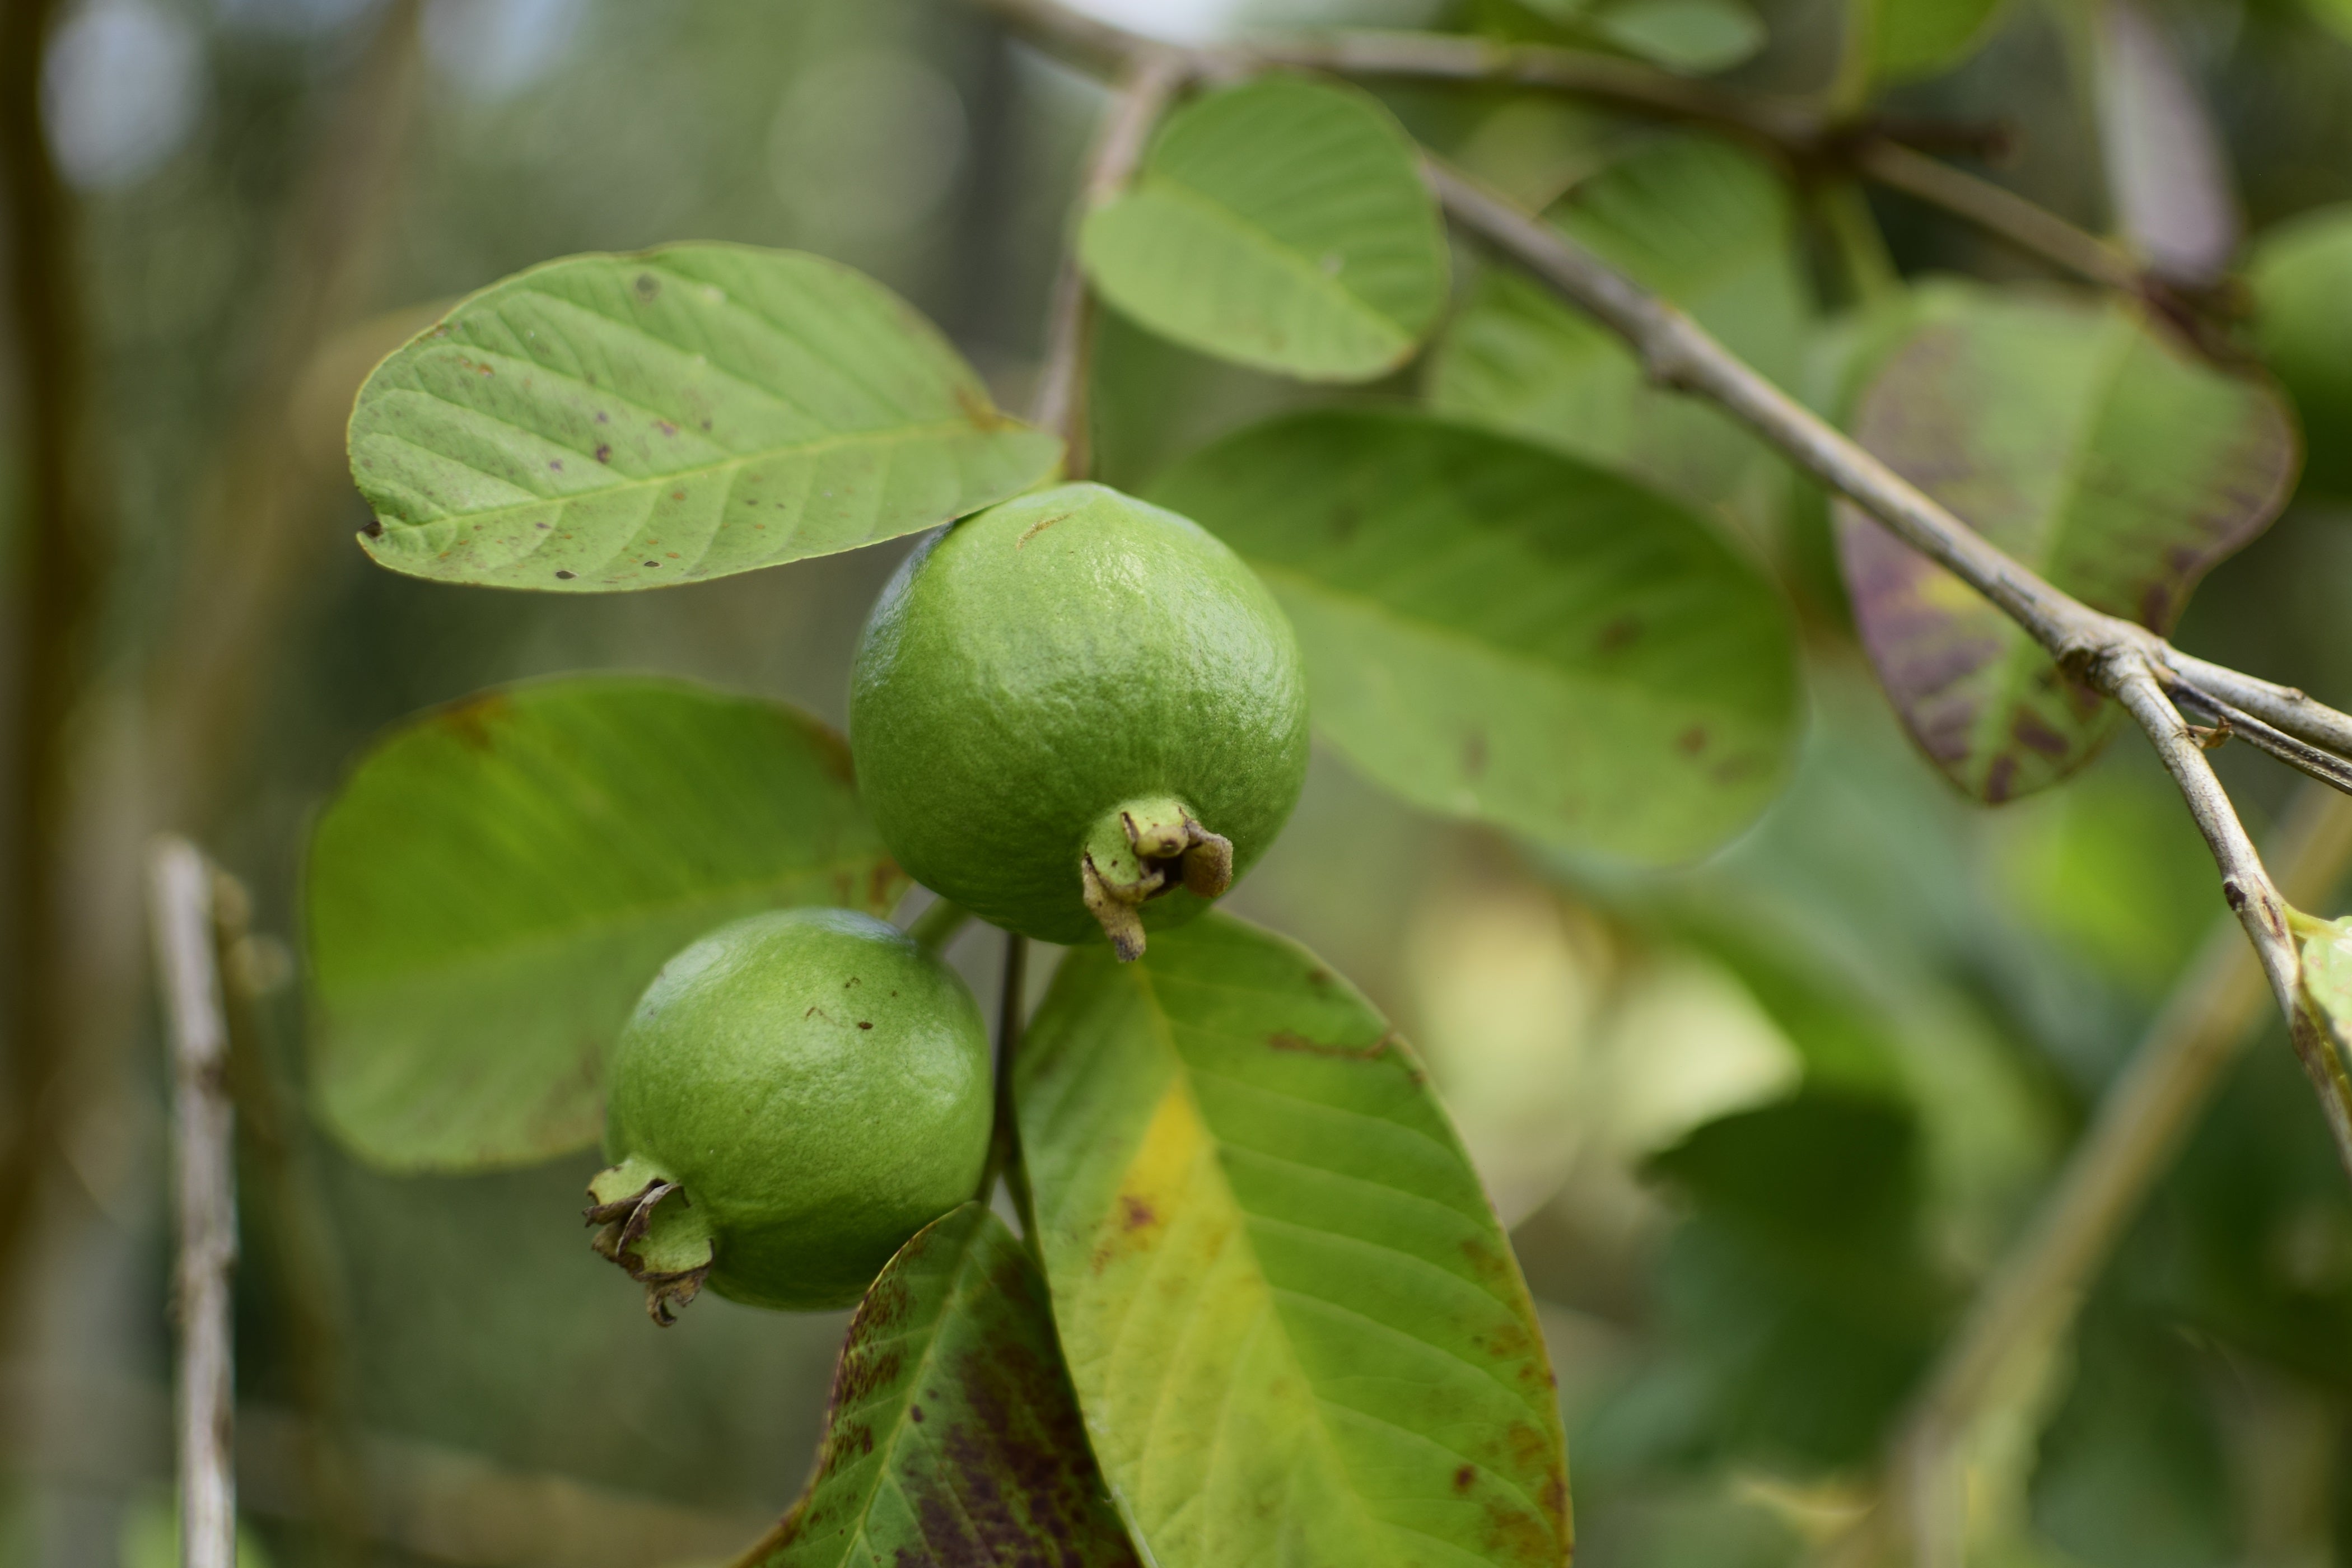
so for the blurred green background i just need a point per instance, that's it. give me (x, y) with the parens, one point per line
(1759, 1125)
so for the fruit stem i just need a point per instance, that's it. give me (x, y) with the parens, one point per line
(1140, 850)
(938, 925)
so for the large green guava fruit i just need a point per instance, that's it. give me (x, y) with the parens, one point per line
(797, 1093)
(1077, 715)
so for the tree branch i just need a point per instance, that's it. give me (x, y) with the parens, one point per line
(1875, 149)
(181, 888)
(2248, 889)
(2029, 1297)
(1151, 78)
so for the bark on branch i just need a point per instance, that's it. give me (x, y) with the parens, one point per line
(181, 891)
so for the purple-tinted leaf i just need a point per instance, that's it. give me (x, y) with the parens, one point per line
(952, 1439)
(2094, 449)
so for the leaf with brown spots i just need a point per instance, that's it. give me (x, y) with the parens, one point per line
(2089, 445)
(749, 406)
(952, 1439)
(497, 881)
(1296, 1329)
(1510, 634)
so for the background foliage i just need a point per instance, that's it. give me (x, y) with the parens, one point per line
(1758, 1126)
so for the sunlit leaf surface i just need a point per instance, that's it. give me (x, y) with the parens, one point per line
(1282, 223)
(1297, 1332)
(498, 880)
(615, 421)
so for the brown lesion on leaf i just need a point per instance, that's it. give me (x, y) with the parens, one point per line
(474, 721)
(1284, 1040)
(981, 414)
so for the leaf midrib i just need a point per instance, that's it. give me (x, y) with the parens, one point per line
(1294, 262)
(676, 476)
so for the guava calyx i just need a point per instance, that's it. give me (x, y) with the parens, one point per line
(1140, 850)
(665, 1247)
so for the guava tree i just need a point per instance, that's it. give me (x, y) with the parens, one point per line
(1243, 1299)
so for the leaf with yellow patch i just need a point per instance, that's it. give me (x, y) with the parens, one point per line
(1295, 1327)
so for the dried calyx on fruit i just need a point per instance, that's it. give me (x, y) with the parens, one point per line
(1141, 851)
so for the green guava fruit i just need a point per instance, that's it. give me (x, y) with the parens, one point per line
(796, 1094)
(1079, 716)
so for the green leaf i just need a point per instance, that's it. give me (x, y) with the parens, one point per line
(611, 422)
(952, 1435)
(1297, 1332)
(1711, 228)
(1282, 223)
(2092, 448)
(2327, 981)
(498, 880)
(1693, 36)
(1497, 631)
(1909, 38)
(2301, 279)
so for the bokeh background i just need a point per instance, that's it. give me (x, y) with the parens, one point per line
(1741, 1272)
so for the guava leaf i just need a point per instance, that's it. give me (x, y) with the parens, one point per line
(1296, 1329)
(1711, 227)
(613, 422)
(1497, 631)
(2328, 982)
(952, 1435)
(2302, 280)
(1911, 38)
(2089, 445)
(498, 880)
(1694, 36)
(1282, 223)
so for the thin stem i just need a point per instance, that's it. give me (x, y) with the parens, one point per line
(284, 1204)
(1870, 271)
(1996, 210)
(2228, 720)
(2034, 1293)
(1795, 130)
(2281, 706)
(1152, 78)
(1004, 1144)
(2248, 889)
(203, 1124)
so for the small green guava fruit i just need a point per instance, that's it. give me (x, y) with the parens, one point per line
(797, 1093)
(1079, 716)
